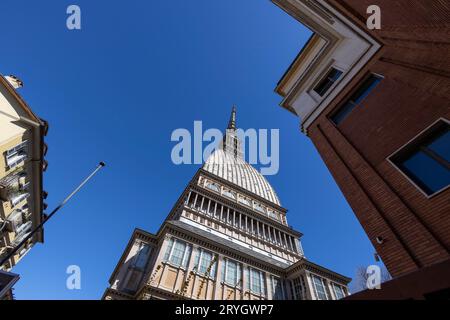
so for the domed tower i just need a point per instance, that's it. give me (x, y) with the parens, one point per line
(226, 238)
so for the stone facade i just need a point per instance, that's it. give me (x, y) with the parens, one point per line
(22, 163)
(227, 238)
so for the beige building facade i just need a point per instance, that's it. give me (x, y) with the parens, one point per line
(22, 163)
(226, 238)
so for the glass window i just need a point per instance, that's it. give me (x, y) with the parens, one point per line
(277, 290)
(231, 273)
(168, 250)
(332, 76)
(358, 96)
(299, 288)
(205, 263)
(426, 161)
(320, 288)
(142, 256)
(441, 143)
(338, 291)
(257, 279)
(177, 253)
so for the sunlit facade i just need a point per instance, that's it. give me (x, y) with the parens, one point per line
(22, 163)
(226, 238)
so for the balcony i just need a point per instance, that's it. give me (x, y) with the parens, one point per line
(17, 155)
(22, 232)
(14, 188)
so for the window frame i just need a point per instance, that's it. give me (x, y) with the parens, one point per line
(199, 261)
(142, 256)
(410, 145)
(348, 98)
(186, 254)
(314, 277)
(238, 273)
(280, 295)
(335, 285)
(262, 282)
(324, 77)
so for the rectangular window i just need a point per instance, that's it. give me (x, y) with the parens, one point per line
(277, 290)
(142, 256)
(231, 273)
(426, 160)
(205, 263)
(326, 83)
(177, 253)
(356, 98)
(299, 288)
(257, 282)
(338, 291)
(320, 288)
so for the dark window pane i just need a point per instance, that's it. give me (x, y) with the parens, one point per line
(343, 112)
(426, 172)
(441, 145)
(365, 89)
(327, 82)
(360, 94)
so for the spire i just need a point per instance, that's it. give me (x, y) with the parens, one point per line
(231, 143)
(232, 122)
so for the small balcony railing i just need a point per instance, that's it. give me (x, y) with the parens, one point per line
(22, 232)
(14, 188)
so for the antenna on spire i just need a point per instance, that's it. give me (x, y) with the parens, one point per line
(232, 122)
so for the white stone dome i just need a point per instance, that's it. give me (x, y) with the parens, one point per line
(235, 170)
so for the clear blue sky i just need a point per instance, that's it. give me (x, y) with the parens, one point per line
(116, 90)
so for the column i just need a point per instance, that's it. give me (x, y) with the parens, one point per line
(218, 277)
(207, 208)
(201, 205)
(188, 198)
(263, 226)
(268, 280)
(195, 200)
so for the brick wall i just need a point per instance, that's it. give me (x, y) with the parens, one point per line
(414, 93)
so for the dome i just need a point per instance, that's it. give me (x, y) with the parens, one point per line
(235, 170)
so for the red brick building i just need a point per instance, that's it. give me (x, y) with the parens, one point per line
(376, 105)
